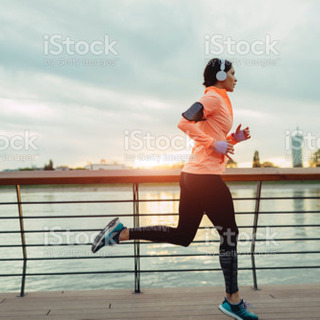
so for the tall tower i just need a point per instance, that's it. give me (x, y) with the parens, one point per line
(296, 148)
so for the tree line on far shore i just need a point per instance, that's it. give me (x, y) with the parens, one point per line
(256, 163)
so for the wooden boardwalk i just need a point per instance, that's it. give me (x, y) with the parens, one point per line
(271, 302)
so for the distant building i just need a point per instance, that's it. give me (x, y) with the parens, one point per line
(105, 166)
(296, 149)
(256, 160)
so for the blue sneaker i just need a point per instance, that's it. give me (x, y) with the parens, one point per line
(109, 236)
(237, 311)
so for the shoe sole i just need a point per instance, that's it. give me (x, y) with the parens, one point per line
(228, 313)
(99, 238)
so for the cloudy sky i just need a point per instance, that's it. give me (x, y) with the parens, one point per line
(82, 81)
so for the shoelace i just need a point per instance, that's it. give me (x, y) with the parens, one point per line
(246, 305)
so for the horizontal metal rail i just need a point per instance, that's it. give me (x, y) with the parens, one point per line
(148, 200)
(200, 228)
(151, 176)
(154, 270)
(159, 255)
(145, 243)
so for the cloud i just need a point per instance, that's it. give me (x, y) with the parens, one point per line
(80, 111)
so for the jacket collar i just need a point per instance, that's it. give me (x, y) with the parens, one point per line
(223, 94)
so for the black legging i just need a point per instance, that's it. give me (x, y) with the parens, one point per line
(201, 193)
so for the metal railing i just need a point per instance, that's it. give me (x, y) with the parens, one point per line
(136, 177)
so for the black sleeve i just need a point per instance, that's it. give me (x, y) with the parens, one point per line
(194, 113)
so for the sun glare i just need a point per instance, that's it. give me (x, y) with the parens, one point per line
(151, 163)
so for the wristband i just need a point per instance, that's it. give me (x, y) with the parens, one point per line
(221, 147)
(240, 136)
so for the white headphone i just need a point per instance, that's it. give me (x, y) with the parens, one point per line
(222, 75)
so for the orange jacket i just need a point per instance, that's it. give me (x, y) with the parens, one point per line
(218, 112)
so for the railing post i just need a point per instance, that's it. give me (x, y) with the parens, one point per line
(136, 224)
(254, 234)
(23, 241)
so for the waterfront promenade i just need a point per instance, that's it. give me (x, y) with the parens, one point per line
(270, 302)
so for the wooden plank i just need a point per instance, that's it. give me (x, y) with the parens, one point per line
(271, 302)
